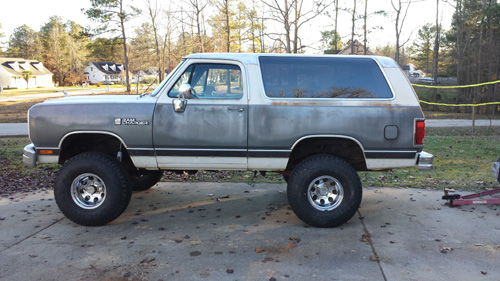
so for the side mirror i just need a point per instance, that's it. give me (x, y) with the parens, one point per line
(180, 103)
(186, 91)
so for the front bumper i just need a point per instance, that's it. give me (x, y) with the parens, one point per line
(29, 156)
(425, 161)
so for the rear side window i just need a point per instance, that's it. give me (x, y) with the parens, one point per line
(323, 77)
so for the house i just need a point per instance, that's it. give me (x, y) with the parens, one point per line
(11, 74)
(358, 49)
(145, 76)
(103, 72)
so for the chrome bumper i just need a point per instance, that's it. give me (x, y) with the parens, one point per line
(29, 156)
(425, 161)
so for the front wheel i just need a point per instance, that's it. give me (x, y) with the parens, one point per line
(92, 189)
(324, 191)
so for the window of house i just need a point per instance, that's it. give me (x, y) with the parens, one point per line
(323, 77)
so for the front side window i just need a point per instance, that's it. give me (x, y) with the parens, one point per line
(212, 81)
(323, 77)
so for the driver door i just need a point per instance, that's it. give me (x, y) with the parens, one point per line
(211, 132)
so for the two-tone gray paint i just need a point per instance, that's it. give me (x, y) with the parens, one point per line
(254, 132)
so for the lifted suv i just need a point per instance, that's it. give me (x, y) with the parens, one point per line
(315, 119)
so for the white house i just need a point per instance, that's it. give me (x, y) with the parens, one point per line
(145, 76)
(11, 74)
(103, 72)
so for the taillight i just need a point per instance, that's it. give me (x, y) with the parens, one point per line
(419, 132)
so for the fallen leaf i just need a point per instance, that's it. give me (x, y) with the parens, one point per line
(259, 250)
(445, 250)
(195, 253)
(365, 238)
(146, 260)
(291, 244)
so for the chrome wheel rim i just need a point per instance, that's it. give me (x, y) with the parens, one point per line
(88, 191)
(325, 193)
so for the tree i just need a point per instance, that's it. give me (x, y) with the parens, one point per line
(26, 74)
(291, 16)
(54, 38)
(422, 47)
(1, 36)
(353, 26)
(401, 8)
(113, 13)
(142, 49)
(104, 49)
(24, 42)
(221, 22)
(76, 49)
(197, 16)
(336, 35)
(436, 54)
(386, 51)
(330, 42)
(154, 13)
(255, 29)
(239, 24)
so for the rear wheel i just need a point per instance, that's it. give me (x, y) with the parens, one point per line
(92, 189)
(324, 191)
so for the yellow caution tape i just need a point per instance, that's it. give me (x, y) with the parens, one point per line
(456, 87)
(446, 104)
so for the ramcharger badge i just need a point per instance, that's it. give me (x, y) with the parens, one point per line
(129, 121)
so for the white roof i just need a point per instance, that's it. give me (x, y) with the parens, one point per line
(253, 58)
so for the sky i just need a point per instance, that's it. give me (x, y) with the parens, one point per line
(36, 13)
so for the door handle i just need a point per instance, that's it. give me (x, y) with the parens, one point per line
(239, 109)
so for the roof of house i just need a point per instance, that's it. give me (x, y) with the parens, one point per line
(108, 67)
(358, 49)
(16, 66)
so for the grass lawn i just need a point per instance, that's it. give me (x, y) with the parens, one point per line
(461, 161)
(34, 91)
(16, 111)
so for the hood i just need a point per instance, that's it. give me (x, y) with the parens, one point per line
(102, 99)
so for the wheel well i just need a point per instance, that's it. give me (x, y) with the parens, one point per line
(347, 149)
(80, 143)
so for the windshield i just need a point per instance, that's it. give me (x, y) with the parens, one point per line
(162, 84)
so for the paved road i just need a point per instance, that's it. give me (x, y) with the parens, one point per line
(14, 129)
(179, 231)
(21, 129)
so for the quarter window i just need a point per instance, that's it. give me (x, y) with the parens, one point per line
(323, 77)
